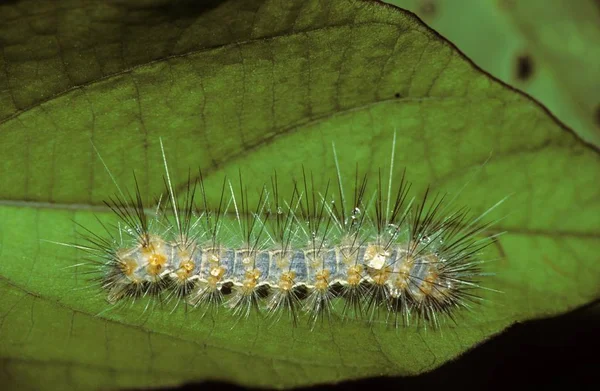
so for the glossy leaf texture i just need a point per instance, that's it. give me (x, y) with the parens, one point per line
(256, 85)
(551, 50)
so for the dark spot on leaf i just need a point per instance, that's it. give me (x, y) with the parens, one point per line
(397, 95)
(597, 115)
(524, 67)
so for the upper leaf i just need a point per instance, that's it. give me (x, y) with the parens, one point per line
(550, 50)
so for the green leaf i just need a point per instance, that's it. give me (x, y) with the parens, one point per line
(551, 50)
(289, 79)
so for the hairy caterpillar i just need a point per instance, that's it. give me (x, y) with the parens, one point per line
(379, 251)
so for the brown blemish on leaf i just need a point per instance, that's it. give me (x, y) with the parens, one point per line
(427, 8)
(524, 67)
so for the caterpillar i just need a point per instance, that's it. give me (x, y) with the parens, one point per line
(378, 251)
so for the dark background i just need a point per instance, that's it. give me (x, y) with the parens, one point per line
(561, 353)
